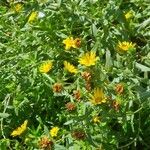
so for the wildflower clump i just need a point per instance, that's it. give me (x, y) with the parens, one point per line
(79, 70)
(20, 129)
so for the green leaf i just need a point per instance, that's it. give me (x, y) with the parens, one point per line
(145, 95)
(58, 147)
(108, 63)
(68, 122)
(4, 115)
(94, 30)
(142, 67)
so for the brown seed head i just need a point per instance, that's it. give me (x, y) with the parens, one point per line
(77, 95)
(45, 143)
(70, 106)
(116, 105)
(79, 135)
(119, 88)
(88, 86)
(57, 87)
(86, 76)
(77, 42)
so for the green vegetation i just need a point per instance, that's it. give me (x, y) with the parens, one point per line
(74, 74)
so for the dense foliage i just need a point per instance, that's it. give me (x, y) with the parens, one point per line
(74, 74)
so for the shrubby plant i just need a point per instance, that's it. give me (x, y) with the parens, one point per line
(74, 74)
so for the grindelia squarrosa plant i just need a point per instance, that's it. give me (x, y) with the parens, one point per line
(74, 74)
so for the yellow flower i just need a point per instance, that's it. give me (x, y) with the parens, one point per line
(54, 131)
(18, 7)
(33, 16)
(88, 59)
(98, 97)
(70, 67)
(20, 129)
(125, 46)
(69, 42)
(96, 119)
(46, 66)
(129, 15)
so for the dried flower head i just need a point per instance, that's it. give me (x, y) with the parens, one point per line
(86, 76)
(116, 104)
(20, 129)
(57, 87)
(70, 106)
(79, 134)
(77, 95)
(45, 143)
(88, 86)
(77, 42)
(119, 88)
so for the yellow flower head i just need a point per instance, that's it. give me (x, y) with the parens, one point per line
(20, 129)
(129, 15)
(18, 7)
(125, 46)
(96, 119)
(54, 131)
(46, 66)
(70, 67)
(33, 16)
(98, 97)
(69, 42)
(88, 59)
